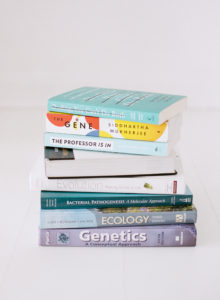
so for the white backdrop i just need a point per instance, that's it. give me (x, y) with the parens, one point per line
(49, 46)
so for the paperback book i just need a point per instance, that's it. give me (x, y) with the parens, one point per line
(111, 128)
(111, 217)
(64, 162)
(152, 184)
(72, 200)
(92, 143)
(135, 236)
(144, 107)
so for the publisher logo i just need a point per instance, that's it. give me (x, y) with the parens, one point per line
(179, 218)
(63, 238)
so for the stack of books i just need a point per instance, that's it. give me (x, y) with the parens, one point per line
(110, 174)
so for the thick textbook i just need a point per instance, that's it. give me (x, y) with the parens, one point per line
(64, 162)
(110, 217)
(79, 142)
(111, 128)
(68, 200)
(144, 107)
(135, 236)
(154, 184)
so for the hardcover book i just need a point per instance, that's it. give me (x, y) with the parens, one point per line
(64, 162)
(135, 236)
(73, 200)
(110, 128)
(144, 107)
(111, 217)
(154, 184)
(80, 142)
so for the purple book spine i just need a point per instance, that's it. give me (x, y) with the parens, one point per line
(143, 236)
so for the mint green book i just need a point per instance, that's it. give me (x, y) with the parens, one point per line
(152, 108)
(80, 142)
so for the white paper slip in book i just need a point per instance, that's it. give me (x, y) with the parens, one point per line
(61, 163)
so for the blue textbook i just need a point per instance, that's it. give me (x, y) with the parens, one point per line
(145, 107)
(121, 216)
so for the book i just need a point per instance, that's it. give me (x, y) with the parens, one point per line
(74, 200)
(144, 107)
(135, 236)
(111, 128)
(154, 184)
(79, 163)
(92, 143)
(111, 217)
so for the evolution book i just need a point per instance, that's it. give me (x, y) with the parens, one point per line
(135, 236)
(80, 142)
(68, 200)
(144, 107)
(111, 128)
(154, 184)
(64, 162)
(110, 217)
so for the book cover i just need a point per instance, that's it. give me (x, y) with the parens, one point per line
(68, 200)
(79, 142)
(110, 217)
(111, 128)
(135, 236)
(144, 107)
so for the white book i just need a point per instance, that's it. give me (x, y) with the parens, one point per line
(154, 184)
(94, 164)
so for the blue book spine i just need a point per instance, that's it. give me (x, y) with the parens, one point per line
(83, 218)
(105, 144)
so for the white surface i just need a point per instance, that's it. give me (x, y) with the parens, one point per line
(51, 46)
(28, 271)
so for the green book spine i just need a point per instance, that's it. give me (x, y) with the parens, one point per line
(69, 200)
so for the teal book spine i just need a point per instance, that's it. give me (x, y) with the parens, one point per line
(113, 103)
(105, 144)
(77, 200)
(139, 216)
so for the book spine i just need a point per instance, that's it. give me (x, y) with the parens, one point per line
(103, 112)
(140, 185)
(139, 236)
(102, 127)
(83, 218)
(105, 144)
(62, 202)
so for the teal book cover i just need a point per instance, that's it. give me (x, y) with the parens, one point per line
(146, 107)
